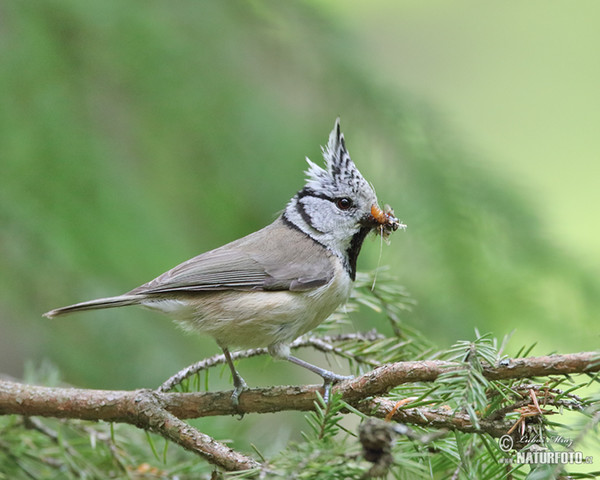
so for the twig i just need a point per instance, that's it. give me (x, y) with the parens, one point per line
(431, 417)
(152, 415)
(323, 344)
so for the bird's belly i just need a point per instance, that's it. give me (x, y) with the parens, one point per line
(251, 319)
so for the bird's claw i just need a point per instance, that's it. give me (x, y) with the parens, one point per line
(329, 379)
(240, 386)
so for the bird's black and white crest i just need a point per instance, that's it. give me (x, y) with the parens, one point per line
(340, 171)
(335, 203)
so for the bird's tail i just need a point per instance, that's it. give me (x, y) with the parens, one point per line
(110, 302)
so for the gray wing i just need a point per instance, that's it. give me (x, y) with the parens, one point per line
(277, 257)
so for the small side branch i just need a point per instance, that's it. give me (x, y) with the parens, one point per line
(151, 415)
(323, 344)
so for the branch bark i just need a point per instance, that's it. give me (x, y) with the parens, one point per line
(145, 409)
(163, 413)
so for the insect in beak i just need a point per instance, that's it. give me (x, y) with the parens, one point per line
(386, 221)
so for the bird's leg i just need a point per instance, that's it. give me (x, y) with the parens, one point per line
(238, 381)
(329, 378)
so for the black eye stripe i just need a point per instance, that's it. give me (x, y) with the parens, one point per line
(309, 192)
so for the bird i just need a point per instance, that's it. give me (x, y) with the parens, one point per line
(276, 284)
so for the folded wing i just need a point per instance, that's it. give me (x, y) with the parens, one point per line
(277, 257)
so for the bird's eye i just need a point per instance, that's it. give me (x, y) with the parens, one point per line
(343, 203)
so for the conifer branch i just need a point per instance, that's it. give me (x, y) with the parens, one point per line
(163, 413)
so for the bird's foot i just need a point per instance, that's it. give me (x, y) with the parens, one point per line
(239, 386)
(329, 379)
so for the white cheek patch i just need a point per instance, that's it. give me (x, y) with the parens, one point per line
(318, 213)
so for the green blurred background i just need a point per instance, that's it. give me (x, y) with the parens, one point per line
(135, 135)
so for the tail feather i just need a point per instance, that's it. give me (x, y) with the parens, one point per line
(99, 303)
